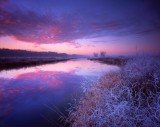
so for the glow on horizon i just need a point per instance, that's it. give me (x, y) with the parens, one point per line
(84, 46)
(80, 27)
(12, 43)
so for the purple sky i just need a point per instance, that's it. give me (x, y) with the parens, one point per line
(81, 26)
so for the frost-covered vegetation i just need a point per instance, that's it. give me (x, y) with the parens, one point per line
(129, 97)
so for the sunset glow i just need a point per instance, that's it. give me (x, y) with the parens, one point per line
(81, 27)
(79, 63)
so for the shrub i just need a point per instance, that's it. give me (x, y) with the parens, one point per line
(129, 97)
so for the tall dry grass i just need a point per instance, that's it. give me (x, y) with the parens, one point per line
(128, 98)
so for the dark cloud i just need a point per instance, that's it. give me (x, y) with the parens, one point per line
(66, 21)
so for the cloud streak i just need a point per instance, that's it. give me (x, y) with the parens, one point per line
(28, 25)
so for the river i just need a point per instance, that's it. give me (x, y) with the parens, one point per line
(37, 96)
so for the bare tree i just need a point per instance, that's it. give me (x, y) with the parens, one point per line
(102, 54)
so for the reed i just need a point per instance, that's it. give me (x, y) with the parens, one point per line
(129, 97)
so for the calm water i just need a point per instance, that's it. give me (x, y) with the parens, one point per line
(34, 96)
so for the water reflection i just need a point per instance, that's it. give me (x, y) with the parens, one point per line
(28, 94)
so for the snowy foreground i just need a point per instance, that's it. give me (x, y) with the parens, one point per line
(128, 98)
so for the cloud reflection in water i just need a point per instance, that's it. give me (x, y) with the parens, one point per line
(25, 93)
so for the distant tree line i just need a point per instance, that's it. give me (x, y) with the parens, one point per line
(102, 54)
(24, 53)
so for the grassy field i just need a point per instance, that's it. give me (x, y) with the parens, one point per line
(112, 60)
(10, 63)
(128, 98)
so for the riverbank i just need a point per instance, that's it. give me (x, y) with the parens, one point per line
(129, 97)
(12, 63)
(111, 60)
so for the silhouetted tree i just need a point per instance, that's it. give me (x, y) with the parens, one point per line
(102, 54)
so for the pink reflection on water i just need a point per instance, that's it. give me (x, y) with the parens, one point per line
(80, 67)
(45, 78)
(26, 90)
(34, 84)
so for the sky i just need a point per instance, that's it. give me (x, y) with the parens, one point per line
(81, 26)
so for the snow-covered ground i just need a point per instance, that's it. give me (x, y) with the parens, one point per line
(129, 97)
